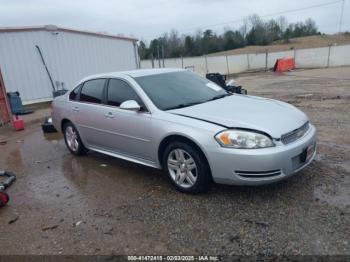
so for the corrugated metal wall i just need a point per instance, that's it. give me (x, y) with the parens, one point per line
(69, 57)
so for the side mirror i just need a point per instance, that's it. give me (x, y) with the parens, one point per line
(130, 105)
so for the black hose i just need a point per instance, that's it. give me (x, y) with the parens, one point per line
(47, 70)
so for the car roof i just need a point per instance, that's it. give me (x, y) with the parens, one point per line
(134, 73)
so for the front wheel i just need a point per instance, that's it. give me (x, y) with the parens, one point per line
(187, 168)
(72, 139)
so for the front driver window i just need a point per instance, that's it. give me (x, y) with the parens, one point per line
(119, 91)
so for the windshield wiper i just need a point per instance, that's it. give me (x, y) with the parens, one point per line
(183, 105)
(218, 97)
(196, 103)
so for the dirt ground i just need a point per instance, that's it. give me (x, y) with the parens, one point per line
(62, 204)
(294, 43)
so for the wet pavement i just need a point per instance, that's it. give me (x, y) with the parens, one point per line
(96, 204)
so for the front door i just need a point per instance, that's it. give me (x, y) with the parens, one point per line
(130, 132)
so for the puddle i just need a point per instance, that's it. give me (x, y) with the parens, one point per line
(53, 137)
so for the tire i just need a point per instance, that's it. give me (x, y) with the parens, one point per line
(73, 140)
(186, 168)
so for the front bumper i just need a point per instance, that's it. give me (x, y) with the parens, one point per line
(260, 166)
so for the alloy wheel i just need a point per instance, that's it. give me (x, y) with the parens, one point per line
(182, 168)
(72, 138)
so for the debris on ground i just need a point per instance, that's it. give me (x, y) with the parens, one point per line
(13, 220)
(234, 238)
(107, 230)
(304, 96)
(331, 97)
(49, 227)
(48, 126)
(78, 223)
(258, 223)
(103, 165)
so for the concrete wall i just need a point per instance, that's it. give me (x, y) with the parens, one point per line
(69, 57)
(304, 58)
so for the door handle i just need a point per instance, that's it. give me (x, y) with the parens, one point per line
(109, 115)
(75, 108)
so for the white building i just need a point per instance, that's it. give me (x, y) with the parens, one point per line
(68, 54)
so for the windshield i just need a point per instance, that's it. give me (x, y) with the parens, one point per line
(179, 89)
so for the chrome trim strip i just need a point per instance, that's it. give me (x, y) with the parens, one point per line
(258, 174)
(115, 133)
(257, 177)
(292, 136)
(128, 158)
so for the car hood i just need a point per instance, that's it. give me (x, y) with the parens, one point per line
(240, 111)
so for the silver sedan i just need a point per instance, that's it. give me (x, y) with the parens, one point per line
(192, 128)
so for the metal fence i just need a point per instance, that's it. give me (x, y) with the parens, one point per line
(330, 56)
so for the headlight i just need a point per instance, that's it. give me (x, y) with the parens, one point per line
(243, 139)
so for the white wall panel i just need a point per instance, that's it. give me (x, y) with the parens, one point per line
(257, 61)
(69, 57)
(237, 63)
(217, 64)
(173, 62)
(145, 64)
(305, 58)
(311, 58)
(339, 55)
(197, 64)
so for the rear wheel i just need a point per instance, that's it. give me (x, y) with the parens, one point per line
(73, 141)
(187, 168)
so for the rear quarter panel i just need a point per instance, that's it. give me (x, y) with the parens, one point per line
(60, 109)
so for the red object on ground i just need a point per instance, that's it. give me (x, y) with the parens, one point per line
(284, 64)
(4, 198)
(18, 123)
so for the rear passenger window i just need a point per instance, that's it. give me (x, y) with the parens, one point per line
(92, 91)
(74, 94)
(119, 92)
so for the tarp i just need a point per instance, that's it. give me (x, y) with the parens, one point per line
(284, 64)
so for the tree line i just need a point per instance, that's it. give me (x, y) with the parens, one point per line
(254, 31)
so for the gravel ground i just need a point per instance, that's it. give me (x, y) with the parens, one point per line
(96, 204)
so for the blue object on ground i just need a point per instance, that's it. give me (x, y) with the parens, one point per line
(16, 104)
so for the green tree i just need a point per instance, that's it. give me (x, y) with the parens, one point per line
(232, 40)
(143, 50)
(189, 46)
(254, 31)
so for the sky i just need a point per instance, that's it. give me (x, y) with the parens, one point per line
(148, 19)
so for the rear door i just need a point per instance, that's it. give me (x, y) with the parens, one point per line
(88, 114)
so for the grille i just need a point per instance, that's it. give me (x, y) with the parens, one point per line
(295, 134)
(258, 174)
